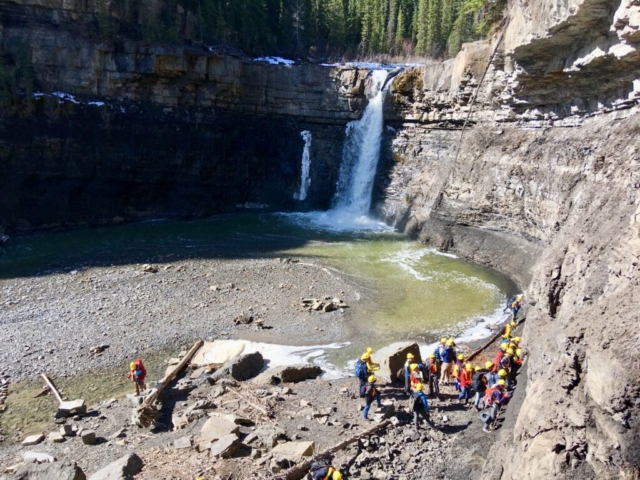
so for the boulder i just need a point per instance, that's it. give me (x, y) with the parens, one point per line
(38, 457)
(49, 471)
(56, 437)
(217, 427)
(88, 437)
(73, 407)
(182, 442)
(293, 450)
(33, 440)
(392, 358)
(288, 374)
(240, 368)
(122, 469)
(265, 435)
(226, 446)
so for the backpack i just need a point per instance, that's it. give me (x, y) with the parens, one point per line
(488, 396)
(319, 469)
(478, 384)
(361, 370)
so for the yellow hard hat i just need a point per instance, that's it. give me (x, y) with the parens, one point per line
(443, 340)
(501, 382)
(410, 355)
(468, 366)
(516, 339)
(503, 346)
(519, 352)
(461, 356)
(513, 323)
(419, 387)
(502, 372)
(372, 378)
(132, 365)
(509, 351)
(336, 475)
(488, 364)
(450, 343)
(519, 297)
(369, 350)
(432, 355)
(477, 369)
(366, 356)
(413, 366)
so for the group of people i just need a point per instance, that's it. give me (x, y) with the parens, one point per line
(490, 385)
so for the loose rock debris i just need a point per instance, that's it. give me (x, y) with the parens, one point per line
(327, 304)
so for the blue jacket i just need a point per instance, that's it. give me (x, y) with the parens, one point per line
(420, 401)
(449, 355)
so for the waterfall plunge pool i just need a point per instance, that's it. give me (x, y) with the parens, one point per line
(409, 292)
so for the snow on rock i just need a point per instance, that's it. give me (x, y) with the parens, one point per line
(275, 60)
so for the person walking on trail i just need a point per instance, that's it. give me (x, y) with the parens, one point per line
(495, 396)
(438, 352)
(416, 375)
(373, 366)
(432, 372)
(498, 358)
(137, 373)
(514, 305)
(371, 393)
(448, 357)
(508, 329)
(320, 470)
(505, 363)
(465, 379)
(407, 372)
(516, 363)
(420, 406)
(479, 383)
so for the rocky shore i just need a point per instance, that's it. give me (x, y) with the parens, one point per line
(75, 322)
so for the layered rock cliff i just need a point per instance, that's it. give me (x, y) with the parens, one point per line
(544, 185)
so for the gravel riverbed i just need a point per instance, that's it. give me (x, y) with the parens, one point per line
(51, 323)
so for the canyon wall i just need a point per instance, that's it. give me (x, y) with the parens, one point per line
(544, 185)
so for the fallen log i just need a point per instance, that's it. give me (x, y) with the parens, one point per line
(299, 471)
(146, 413)
(52, 388)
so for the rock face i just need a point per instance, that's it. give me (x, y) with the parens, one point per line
(49, 471)
(122, 469)
(241, 368)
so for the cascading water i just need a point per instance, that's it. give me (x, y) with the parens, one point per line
(360, 155)
(305, 181)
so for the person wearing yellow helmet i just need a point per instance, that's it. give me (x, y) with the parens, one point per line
(479, 384)
(464, 379)
(488, 364)
(364, 367)
(137, 373)
(431, 372)
(321, 470)
(494, 396)
(516, 363)
(448, 357)
(514, 305)
(371, 393)
(407, 373)
(438, 352)
(516, 340)
(420, 406)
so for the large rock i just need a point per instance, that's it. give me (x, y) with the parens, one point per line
(226, 446)
(33, 440)
(266, 435)
(49, 471)
(217, 427)
(72, 407)
(293, 450)
(38, 457)
(122, 469)
(392, 358)
(241, 368)
(288, 374)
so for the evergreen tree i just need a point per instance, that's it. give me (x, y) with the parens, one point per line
(336, 23)
(433, 41)
(422, 26)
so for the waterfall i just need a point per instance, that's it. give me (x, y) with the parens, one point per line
(305, 181)
(360, 155)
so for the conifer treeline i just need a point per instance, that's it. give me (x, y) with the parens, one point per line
(345, 27)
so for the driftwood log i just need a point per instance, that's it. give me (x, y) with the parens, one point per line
(146, 413)
(52, 388)
(299, 471)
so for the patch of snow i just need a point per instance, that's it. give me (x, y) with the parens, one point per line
(275, 60)
(65, 96)
(97, 104)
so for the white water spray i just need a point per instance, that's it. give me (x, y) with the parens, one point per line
(360, 155)
(305, 181)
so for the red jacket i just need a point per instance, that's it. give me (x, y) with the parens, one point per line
(497, 360)
(465, 378)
